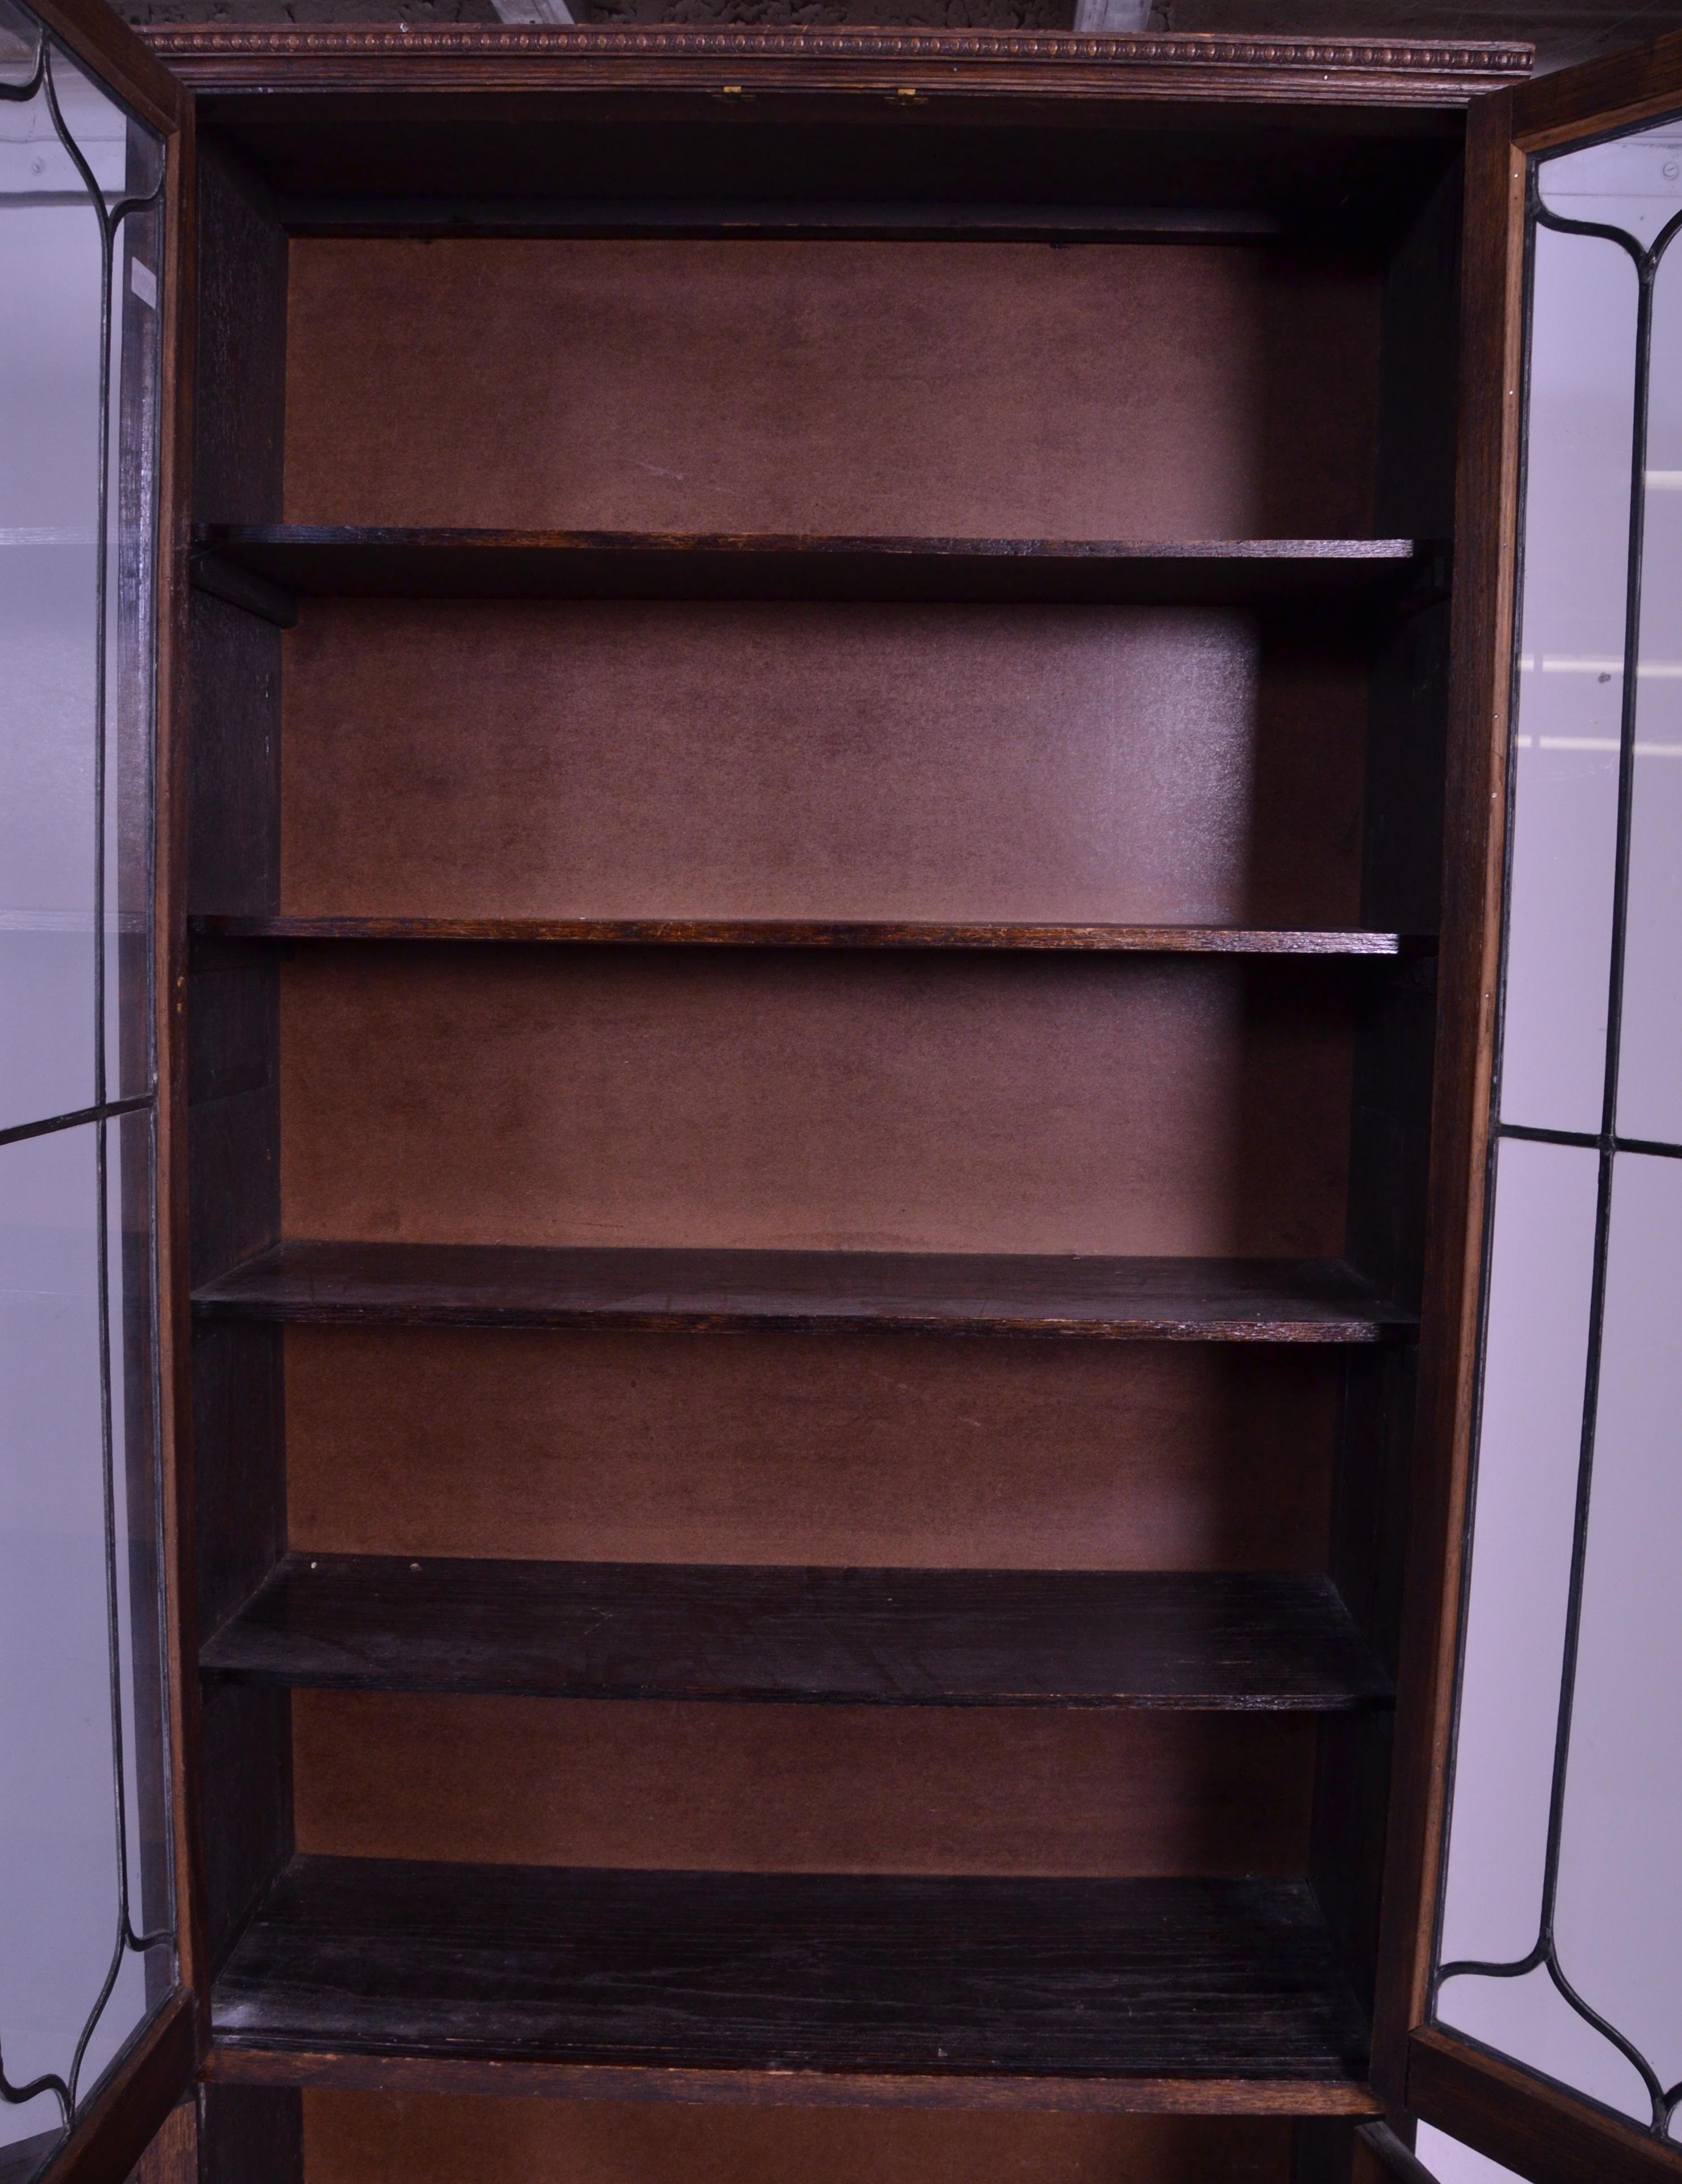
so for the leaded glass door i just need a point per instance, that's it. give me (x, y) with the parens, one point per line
(1550, 2033)
(91, 2018)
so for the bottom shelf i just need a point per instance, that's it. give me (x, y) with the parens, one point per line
(1197, 1995)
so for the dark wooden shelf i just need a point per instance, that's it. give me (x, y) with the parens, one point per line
(1270, 1642)
(801, 933)
(937, 1989)
(746, 219)
(292, 561)
(697, 1291)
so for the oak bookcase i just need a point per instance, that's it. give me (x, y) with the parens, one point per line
(817, 719)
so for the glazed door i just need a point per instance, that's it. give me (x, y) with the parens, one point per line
(1544, 2009)
(95, 2031)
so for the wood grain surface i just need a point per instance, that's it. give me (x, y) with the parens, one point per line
(355, 2138)
(1614, 91)
(1278, 67)
(117, 58)
(238, 1798)
(172, 2157)
(251, 2134)
(672, 932)
(1528, 2126)
(1481, 696)
(1163, 1300)
(949, 1978)
(392, 217)
(502, 2076)
(325, 561)
(126, 2109)
(903, 1637)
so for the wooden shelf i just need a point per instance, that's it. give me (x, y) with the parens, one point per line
(699, 1291)
(799, 932)
(286, 561)
(748, 219)
(786, 1986)
(1262, 1642)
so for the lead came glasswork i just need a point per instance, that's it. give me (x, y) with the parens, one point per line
(130, 617)
(59, 1898)
(1536, 1346)
(85, 1896)
(51, 261)
(1570, 681)
(1620, 1921)
(1583, 1983)
(1650, 1075)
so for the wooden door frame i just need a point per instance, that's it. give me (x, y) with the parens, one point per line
(111, 51)
(1512, 2116)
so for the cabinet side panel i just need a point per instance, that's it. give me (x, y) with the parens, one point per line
(250, 2135)
(246, 1745)
(233, 1029)
(241, 346)
(172, 2157)
(1394, 1050)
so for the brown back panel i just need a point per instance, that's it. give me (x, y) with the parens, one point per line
(744, 1098)
(795, 1448)
(656, 759)
(1015, 390)
(783, 1789)
(375, 2138)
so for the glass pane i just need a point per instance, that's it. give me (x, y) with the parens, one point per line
(55, 765)
(1570, 682)
(85, 1898)
(130, 620)
(21, 38)
(1620, 1915)
(1451, 2163)
(1650, 1076)
(1632, 182)
(60, 1894)
(131, 1307)
(1529, 2019)
(1535, 1358)
(51, 261)
(1561, 1934)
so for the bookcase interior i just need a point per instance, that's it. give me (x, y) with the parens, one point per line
(911, 1062)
